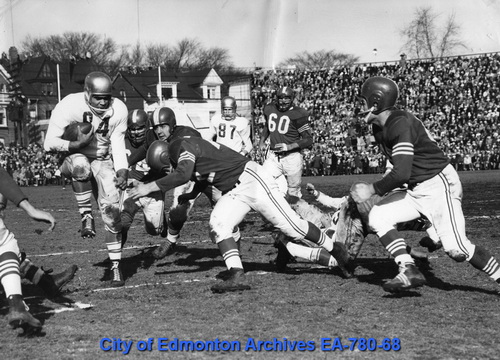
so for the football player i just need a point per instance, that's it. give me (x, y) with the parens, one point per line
(288, 130)
(245, 186)
(152, 206)
(230, 129)
(434, 187)
(51, 284)
(345, 223)
(97, 161)
(233, 131)
(164, 127)
(10, 275)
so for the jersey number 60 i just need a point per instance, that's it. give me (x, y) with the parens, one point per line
(281, 125)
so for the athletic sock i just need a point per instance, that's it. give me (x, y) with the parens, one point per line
(10, 275)
(396, 246)
(230, 253)
(483, 261)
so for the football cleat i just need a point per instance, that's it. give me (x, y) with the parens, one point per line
(88, 226)
(417, 254)
(430, 244)
(235, 282)
(409, 277)
(164, 249)
(19, 317)
(339, 252)
(52, 284)
(65, 276)
(116, 274)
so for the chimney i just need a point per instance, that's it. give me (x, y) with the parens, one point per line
(13, 55)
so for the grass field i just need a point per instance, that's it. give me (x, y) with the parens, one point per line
(455, 316)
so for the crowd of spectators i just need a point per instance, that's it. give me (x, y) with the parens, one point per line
(457, 98)
(31, 165)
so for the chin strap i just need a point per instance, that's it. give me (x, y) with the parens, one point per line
(367, 113)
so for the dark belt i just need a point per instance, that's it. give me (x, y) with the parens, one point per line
(284, 154)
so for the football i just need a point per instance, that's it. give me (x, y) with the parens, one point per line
(71, 131)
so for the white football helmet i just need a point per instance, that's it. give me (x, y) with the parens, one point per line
(228, 108)
(98, 84)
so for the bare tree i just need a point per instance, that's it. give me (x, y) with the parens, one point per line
(423, 37)
(136, 56)
(216, 58)
(319, 60)
(186, 53)
(159, 55)
(70, 44)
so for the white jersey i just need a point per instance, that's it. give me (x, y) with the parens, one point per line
(234, 134)
(72, 109)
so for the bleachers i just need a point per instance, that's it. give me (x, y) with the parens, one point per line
(458, 99)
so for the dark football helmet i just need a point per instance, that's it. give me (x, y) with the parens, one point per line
(285, 97)
(379, 91)
(98, 84)
(163, 116)
(228, 108)
(137, 122)
(157, 156)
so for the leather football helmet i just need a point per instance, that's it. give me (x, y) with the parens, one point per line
(98, 84)
(157, 156)
(137, 123)
(285, 97)
(228, 108)
(163, 116)
(380, 92)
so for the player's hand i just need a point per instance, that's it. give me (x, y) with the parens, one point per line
(140, 189)
(121, 179)
(281, 147)
(361, 192)
(84, 139)
(311, 190)
(38, 215)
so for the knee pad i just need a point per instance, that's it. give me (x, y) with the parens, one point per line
(78, 166)
(111, 218)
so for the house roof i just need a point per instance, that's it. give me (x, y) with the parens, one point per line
(188, 83)
(142, 84)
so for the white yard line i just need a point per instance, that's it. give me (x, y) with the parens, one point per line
(134, 247)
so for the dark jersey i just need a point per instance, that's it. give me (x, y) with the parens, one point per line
(139, 170)
(291, 126)
(202, 161)
(179, 131)
(410, 148)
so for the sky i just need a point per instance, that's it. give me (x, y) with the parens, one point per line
(255, 32)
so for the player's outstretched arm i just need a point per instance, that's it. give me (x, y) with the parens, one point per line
(38, 215)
